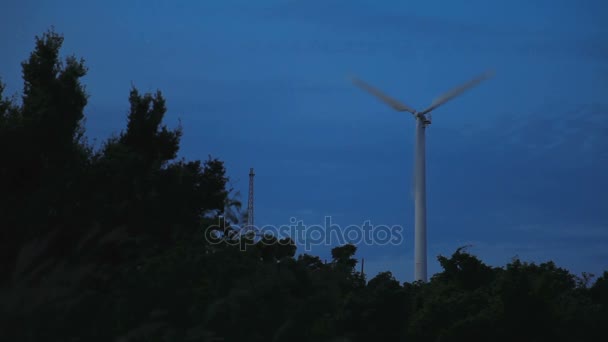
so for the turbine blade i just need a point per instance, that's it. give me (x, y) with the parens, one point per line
(457, 91)
(398, 106)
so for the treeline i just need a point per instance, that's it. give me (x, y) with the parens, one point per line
(113, 244)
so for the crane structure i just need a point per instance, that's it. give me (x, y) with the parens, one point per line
(250, 224)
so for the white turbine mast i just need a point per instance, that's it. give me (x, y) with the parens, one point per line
(422, 120)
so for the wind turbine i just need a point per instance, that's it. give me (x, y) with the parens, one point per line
(423, 119)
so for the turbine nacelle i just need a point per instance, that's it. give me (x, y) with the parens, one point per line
(426, 118)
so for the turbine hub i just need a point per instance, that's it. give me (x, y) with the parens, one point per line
(425, 120)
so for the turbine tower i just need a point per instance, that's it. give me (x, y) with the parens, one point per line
(423, 119)
(250, 202)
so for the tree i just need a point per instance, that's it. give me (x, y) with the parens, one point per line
(42, 149)
(465, 270)
(343, 257)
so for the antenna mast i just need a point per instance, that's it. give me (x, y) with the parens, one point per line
(362, 265)
(250, 225)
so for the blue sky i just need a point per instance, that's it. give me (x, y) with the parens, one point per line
(516, 166)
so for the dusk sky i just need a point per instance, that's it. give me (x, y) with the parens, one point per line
(515, 167)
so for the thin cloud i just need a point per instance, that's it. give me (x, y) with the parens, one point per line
(370, 30)
(584, 128)
(565, 231)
